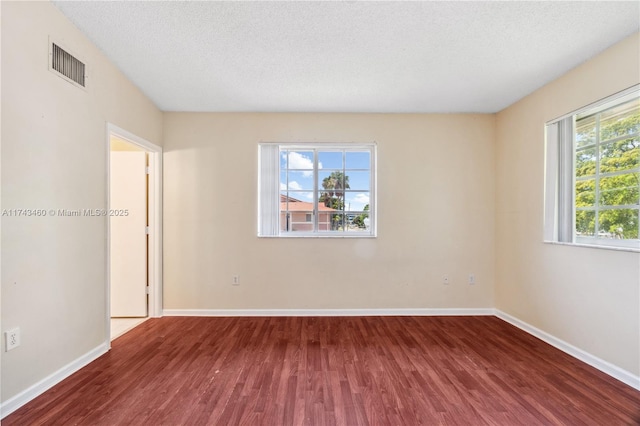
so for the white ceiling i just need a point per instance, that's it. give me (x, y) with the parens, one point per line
(348, 56)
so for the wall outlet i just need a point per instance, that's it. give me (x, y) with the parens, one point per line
(472, 279)
(12, 339)
(445, 280)
(235, 280)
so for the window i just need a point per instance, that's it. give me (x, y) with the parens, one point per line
(592, 193)
(317, 190)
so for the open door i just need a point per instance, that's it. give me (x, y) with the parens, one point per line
(128, 227)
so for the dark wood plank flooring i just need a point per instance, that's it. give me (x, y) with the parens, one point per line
(333, 371)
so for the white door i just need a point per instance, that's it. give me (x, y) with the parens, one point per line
(128, 221)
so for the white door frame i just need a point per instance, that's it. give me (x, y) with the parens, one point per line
(155, 222)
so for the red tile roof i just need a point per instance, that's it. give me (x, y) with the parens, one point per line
(301, 205)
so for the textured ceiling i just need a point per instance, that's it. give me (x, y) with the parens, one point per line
(348, 56)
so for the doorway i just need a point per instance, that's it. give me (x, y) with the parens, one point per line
(134, 231)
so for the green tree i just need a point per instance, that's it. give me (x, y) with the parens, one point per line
(359, 220)
(334, 186)
(621, 157)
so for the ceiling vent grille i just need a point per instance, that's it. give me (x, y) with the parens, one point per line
(67, 65)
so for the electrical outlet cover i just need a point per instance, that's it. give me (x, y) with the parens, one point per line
(12, 338)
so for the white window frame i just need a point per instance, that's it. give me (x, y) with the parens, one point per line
(269, 189)
(560, 181)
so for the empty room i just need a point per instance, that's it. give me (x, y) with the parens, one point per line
(320, 213)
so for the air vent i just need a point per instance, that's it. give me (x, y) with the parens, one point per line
(67, 65)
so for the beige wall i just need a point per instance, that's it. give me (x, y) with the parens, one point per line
(54, 157)
(435, 215)
(587, 297)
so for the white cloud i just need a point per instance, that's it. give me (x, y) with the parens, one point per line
(361, 198)
(292, 185)
(299, 161)
(358, 202)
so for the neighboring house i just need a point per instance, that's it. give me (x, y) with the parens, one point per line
(297, 215)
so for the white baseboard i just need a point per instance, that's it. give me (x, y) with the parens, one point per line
(326, 312)
(602, 365)
(12, 404)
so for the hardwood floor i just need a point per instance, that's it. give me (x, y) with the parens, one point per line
(333, 371)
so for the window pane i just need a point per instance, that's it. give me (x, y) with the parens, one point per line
(298, 181)
(586, 193)
(331, 180)
(586, 162)
(586, 131)
(621, 155)
(300, 160)
(358, 221)
(620, 190)
(324, 220)
(300, 201)
(358, 160)
(585, 223)
(358, 181)
(619, 224)
(296, 221)
(336, 221)
(331, 186)
(357, 201)
(330, 160)
(620, 120)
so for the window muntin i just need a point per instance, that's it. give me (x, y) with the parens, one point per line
(323, 190)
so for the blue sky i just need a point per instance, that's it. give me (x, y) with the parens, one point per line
(300, 174)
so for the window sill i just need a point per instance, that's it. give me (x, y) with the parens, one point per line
(595, 246)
